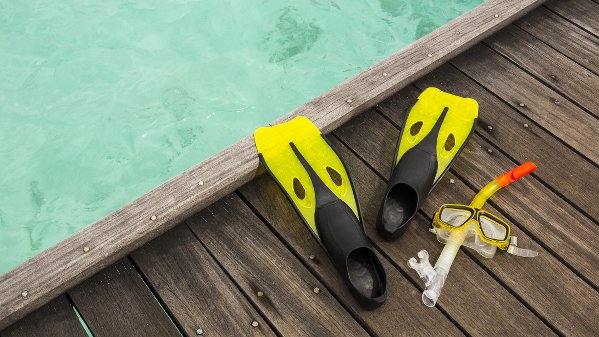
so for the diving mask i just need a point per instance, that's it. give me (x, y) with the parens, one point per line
(456, 225)
(487, 233)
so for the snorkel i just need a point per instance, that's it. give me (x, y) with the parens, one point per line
(434, 278)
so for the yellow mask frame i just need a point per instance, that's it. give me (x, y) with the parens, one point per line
(475, 215)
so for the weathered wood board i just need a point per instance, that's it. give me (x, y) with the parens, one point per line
(549, 66)
(57, 318)
(195, 289)
(564, 36)
(116, 302)
(583, 13)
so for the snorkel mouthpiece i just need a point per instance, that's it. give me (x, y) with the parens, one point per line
(434, 277)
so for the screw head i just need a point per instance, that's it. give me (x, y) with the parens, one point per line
(153, 217)
(311, 257)
(255, 324)
(317, 290)
(24, 293)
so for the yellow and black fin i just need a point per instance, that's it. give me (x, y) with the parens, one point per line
(433, 135)
(316, 182)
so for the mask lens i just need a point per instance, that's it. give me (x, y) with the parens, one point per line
(492, 228)
(455, 217)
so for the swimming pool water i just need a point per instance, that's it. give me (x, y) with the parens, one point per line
(102, 100)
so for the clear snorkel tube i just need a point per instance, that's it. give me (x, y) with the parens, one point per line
(434, 278)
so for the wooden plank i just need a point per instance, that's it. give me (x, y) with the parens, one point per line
(64, 265)
(547, 286)
(577, 243)
(402, 308)
(544, 106)
(546, 64)
(268, 274)
(564, 36)
(561, 168)
(581, 12)
(370, 189)
(116, 302)
(55, 319)
(195, 289)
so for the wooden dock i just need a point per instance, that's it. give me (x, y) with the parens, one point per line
(247, 266)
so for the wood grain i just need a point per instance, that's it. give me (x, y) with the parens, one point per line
(55, 319)
(581, 12)
(544, 106)
(568, 233)
(116, 302)
(64, 265)
(403, 307)
(564, 36)
(469, 288)
(268, 274)
(194, 288)
(545, 63)
(545, 284)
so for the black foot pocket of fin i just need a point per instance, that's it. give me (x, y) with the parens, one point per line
(410, 183)
(366, 277)
(343, 237)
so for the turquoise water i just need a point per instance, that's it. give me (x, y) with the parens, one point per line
(100, 101)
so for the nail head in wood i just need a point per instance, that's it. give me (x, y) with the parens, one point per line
(385, 74)
(200, 331)
(490, 127)
(496, 15)
(201, 183)
(451, 181)
(25, 293)
(349, 100)
(86, 249)
(521, 104)
(525, 125)
(490, 150)
(430, 55)
(255, 324)
(153, 217)
(311, 257)
(259, 293)
(317, 290)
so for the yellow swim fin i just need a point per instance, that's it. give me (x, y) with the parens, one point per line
(433, 135)
(317, 184)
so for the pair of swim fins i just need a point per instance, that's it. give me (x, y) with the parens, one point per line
(318, 185)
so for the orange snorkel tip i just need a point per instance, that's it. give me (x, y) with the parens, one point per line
(517, 173)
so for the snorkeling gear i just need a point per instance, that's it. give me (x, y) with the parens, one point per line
(316, 182)
(433, 135)
(457, 225)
